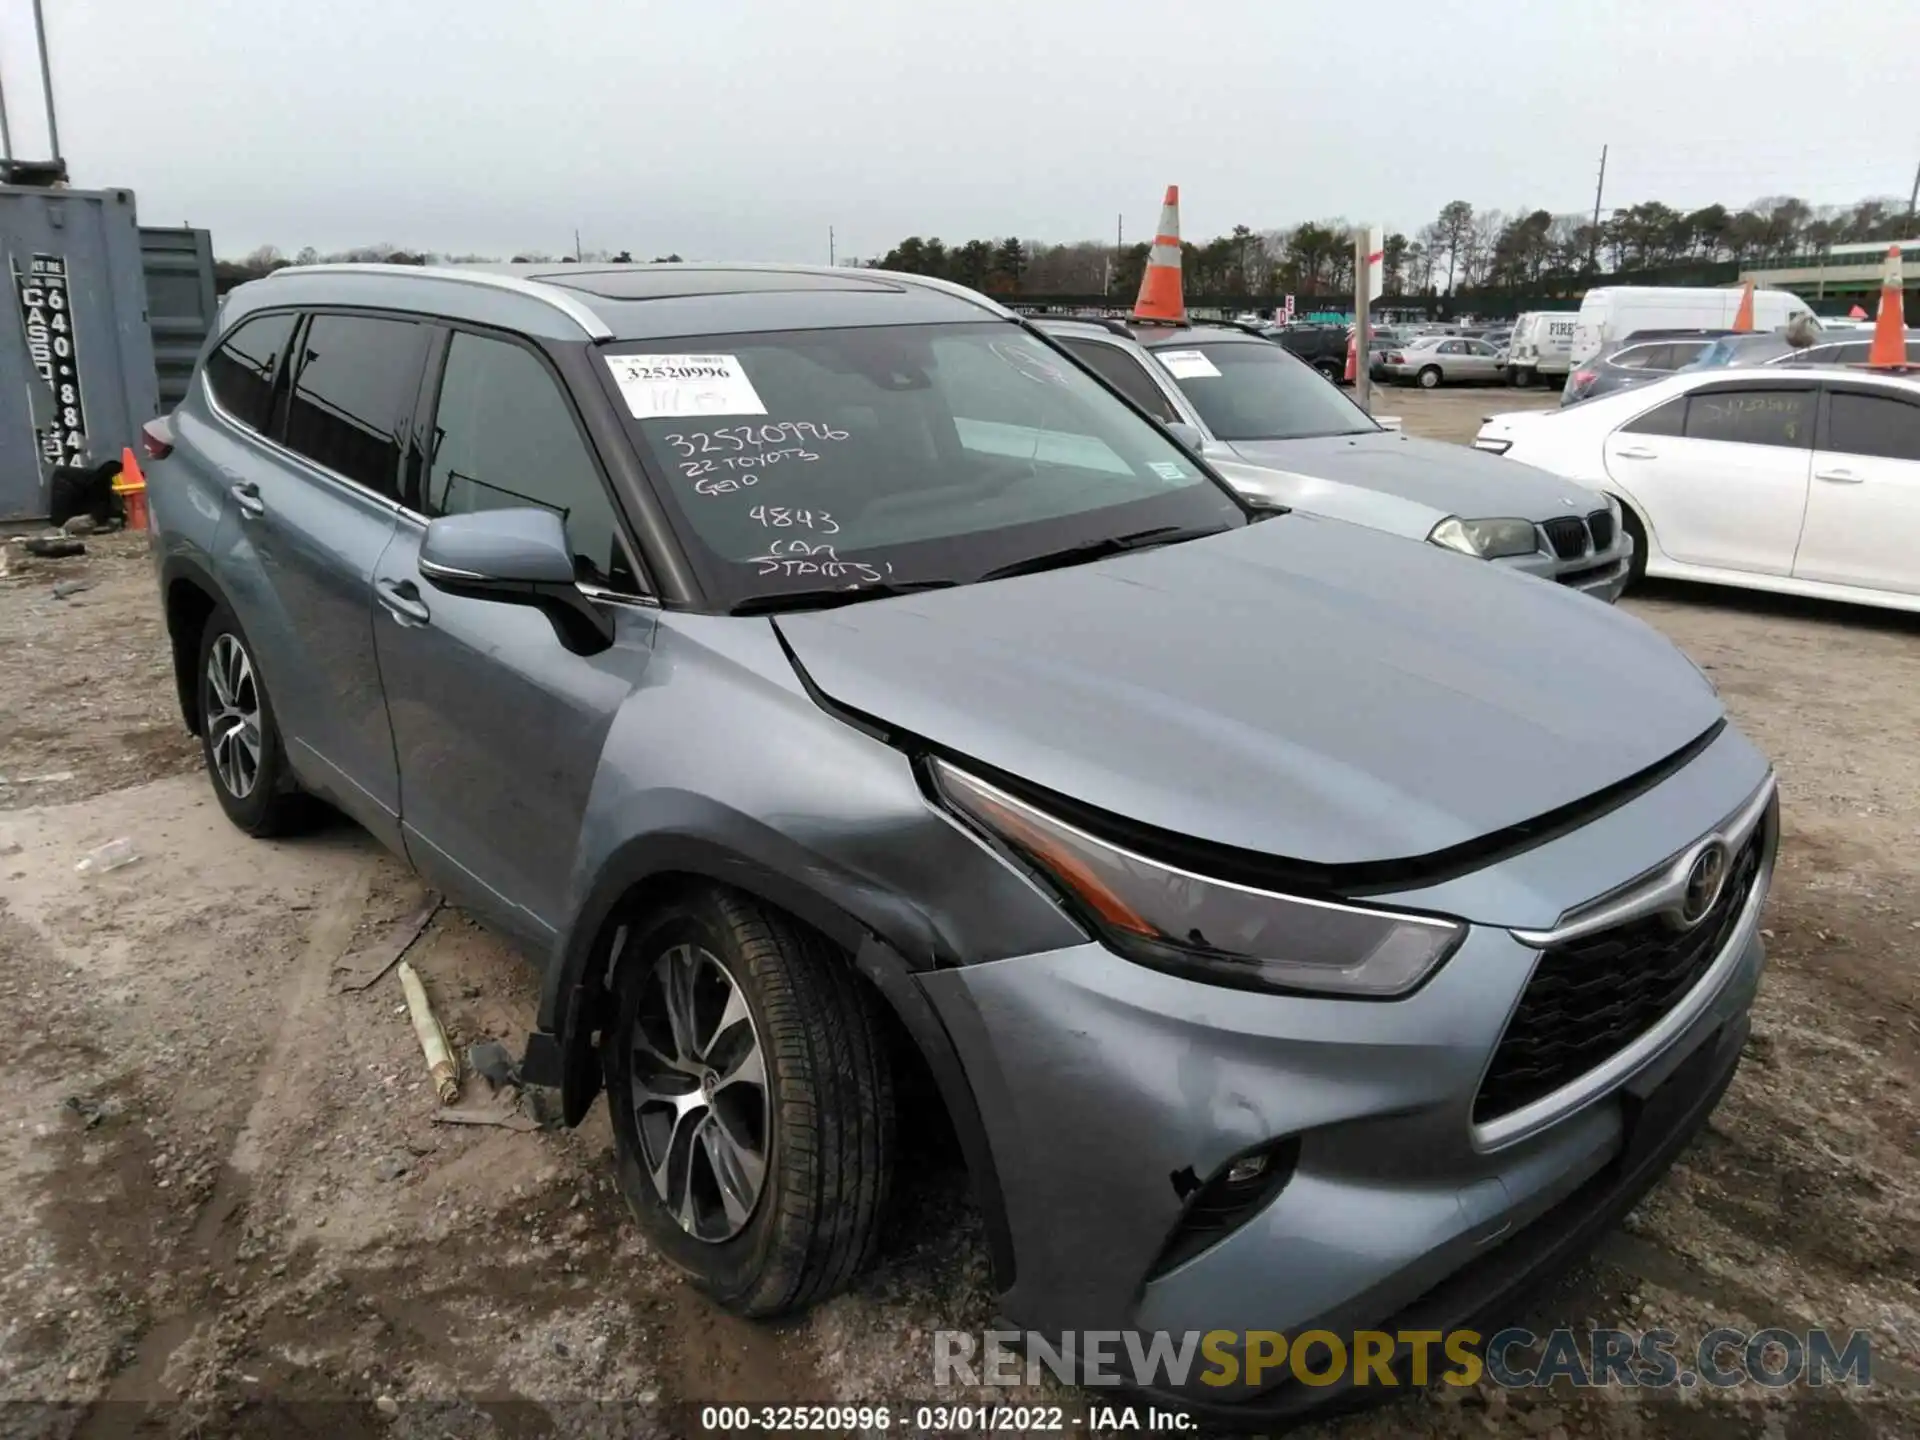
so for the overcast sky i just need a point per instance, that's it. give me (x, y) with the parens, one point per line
(743, 129)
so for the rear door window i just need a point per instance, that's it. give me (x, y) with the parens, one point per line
(1781, 418)
(1859, 424)
(244, 369)
(1124, 373)
(354, 391)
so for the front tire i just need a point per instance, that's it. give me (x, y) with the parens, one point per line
(1637, 566)
(752, 1102)
(239, 738)
(1430, 378)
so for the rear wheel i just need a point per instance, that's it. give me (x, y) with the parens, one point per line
(238, 735)
(1430, 378)
(752, 1102)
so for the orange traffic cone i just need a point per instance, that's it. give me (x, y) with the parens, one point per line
(1353, 355)
(1160, 295)
(1856, 313)
(1743, 317)
(131, 486)
(1889, 348)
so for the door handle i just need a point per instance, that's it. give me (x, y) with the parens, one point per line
(246, 495)
(1839, 477)
(1636, 452)
(401, 599)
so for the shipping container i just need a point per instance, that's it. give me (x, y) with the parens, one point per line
(77, 376)
(180, 303)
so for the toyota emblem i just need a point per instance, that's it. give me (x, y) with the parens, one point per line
(1706, 877)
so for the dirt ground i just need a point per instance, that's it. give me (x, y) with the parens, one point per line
(223, 1190)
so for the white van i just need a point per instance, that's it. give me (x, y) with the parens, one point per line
(1542, 347)
(1614, 312)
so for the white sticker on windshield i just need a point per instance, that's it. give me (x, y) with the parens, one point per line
(1167, 470)
(654, 385)
(1187, 364)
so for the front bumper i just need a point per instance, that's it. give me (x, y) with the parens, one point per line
(1602, 574)
(1103, 1083)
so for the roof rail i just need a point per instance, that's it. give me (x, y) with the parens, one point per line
(926, 282)
(1259, 331)
(1112, 323)
(553, 295)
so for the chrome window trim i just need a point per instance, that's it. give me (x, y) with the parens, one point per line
(591, 325)
(592, 592)
(1661, 888)
(1531, 1119)
(325, 472)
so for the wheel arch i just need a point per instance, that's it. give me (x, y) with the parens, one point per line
(649, 871)
(189, 596)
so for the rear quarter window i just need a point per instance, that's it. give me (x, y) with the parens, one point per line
(244, 369)
(1667, 419)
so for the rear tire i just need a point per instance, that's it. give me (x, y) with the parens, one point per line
(1430, 378)
(770, 1201)
(239, 738)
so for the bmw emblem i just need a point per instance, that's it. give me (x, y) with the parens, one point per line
(1706, 877)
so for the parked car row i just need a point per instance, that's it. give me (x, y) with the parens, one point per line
(826, 675)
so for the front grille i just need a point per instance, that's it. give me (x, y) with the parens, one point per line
(1600, 522)
(1591, 998)
(1568, 536)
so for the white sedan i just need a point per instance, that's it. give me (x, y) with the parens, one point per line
(1806, 482)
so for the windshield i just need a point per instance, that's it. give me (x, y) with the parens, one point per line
(1260, 392)
(899, 455)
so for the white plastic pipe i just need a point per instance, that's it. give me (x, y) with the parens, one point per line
(441, 1066)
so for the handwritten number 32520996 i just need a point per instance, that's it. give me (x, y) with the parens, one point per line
(757, 437)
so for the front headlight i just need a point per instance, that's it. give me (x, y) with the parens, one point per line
(1208, 930)
(1488, 539)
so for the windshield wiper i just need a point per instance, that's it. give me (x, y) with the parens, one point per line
(1098, 549)
(825, 597)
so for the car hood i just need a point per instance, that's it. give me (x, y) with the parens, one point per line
(1302, 688)
(1452, 479)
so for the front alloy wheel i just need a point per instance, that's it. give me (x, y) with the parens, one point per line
(751, 1095)
(698, 1088)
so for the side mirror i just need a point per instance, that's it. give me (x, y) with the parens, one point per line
(1185, 434)
(518, 557)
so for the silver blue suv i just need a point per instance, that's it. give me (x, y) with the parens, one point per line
(819, 673)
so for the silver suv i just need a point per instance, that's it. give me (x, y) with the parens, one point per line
(817, 672)
(1277, 432)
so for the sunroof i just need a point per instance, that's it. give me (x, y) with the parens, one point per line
(665, 282)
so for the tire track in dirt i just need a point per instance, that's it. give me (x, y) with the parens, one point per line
(279, 1084)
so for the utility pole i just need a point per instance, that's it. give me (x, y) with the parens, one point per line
(46, 79)
(1362, 318)
(576, 245)
(830, 249)
(1913, 196)
(6, 131)
(1599, 188)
